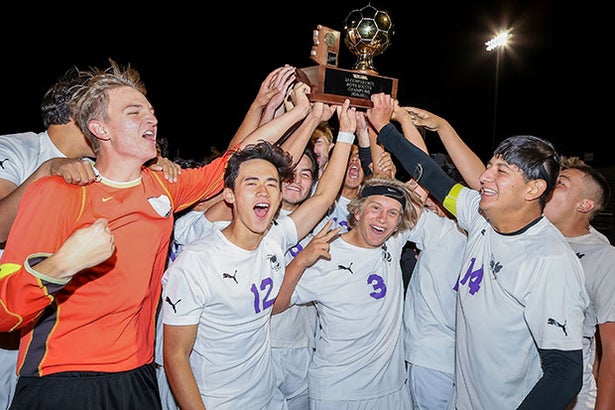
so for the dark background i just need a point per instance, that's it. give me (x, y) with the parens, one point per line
(203, 63)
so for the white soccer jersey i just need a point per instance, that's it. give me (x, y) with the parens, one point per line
(191, 226)
(21, 154)
(597, 257)
(295, 327)
(229, 292)
(516, 292)
(359, 299)
(339, 213)
(429, 313)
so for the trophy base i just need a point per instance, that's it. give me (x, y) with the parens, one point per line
(333, 85)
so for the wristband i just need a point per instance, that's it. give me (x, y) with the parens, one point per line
(347, 137)
(36, 258)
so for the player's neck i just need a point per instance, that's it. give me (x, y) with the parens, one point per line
(349, 193)
(243, 237)
(571, 229)
(118, 169)
(69, 139)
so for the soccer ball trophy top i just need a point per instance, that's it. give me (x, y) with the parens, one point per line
(368, 34)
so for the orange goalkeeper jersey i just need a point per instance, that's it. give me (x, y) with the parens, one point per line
(104, 318)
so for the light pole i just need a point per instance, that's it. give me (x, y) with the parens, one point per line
(496, 43)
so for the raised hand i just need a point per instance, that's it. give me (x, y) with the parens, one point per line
(423, 118)
(318, 247)
(382, 111)
(347, 117)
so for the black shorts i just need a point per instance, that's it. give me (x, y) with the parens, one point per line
(131, 390)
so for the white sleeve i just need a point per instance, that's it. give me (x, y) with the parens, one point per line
(183, 294)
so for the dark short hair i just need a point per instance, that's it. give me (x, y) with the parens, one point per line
(537, 158)
(598, 178)
(55, 107)
(281, 159)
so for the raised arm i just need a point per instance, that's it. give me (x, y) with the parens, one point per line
(297, 141)
(412, 134)
(374, 158)
(313, 209)
(417, 163)
(275, 84)
(272, 131)
(466, 161)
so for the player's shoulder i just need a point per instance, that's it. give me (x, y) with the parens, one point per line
(19, 142)
(19, 136)
(51, 183)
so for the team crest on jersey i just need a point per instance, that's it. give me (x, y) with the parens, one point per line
(161, 204)
(386, 255)
(274, 262)
(494, 267)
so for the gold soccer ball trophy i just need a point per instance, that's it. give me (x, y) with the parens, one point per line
(368, 34)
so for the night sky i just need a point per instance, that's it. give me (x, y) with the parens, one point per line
(203, 68)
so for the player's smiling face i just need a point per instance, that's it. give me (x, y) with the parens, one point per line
(256, 196)
(503, 189)
(296, 191)
(378, 219)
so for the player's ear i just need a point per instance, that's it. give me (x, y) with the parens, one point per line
(98, 129)
(536, 188)
(228, 195)
(585, 206)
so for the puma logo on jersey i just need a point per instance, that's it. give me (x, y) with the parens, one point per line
(342, 267)
(554, 322)
(233, 276)
(168, 300)
(2, 162)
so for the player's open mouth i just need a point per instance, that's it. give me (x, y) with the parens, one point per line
(261, 209)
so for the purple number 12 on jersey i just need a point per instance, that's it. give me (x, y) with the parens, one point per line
(266, 287)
